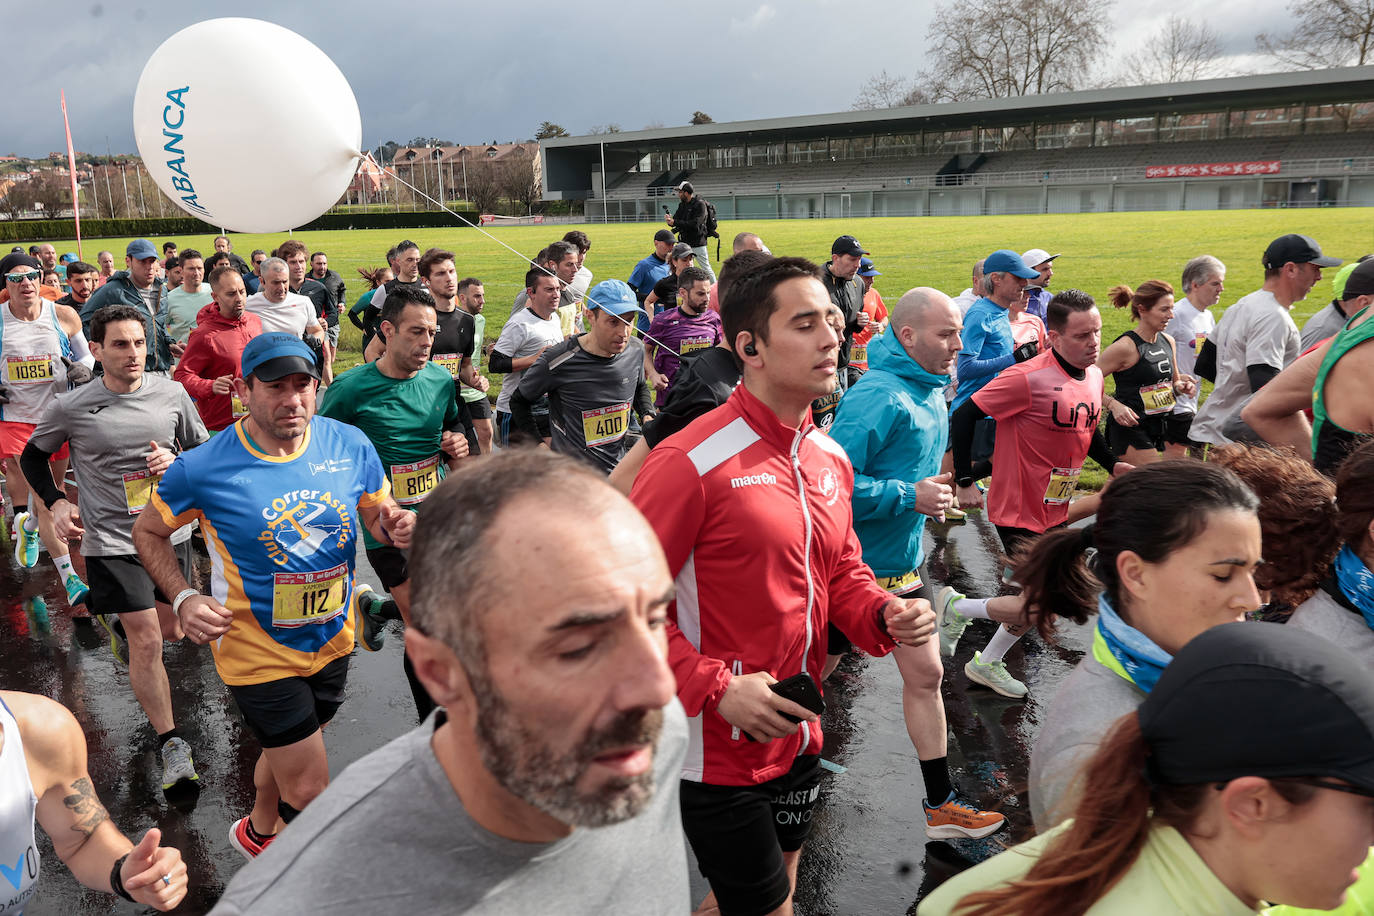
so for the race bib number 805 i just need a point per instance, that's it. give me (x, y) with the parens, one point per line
(411, 483)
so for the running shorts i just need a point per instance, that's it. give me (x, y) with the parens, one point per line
(915, 584)
(15, 435)
(1147, 435)
(1176, 429)
(119, 584)
(291, 709)
(390, 565)
(739, 834)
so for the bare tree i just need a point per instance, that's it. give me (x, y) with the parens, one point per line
(1324, 33)
(519, 183)
(597, 129)
(1001, 48)
(18, 201)
(887, 91)
(484, 185)
(1180, 51)
(53, 192)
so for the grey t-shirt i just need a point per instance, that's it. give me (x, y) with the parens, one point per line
(390, 835)
(110, 435)
(525, 334)
(1256, 331)
(1321, 614)
(1322, 325)
(1090, 701)
(590, 399)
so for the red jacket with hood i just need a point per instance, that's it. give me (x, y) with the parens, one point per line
(215, 348)
(755, 520)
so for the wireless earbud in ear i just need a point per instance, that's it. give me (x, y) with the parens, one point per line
(749, 350)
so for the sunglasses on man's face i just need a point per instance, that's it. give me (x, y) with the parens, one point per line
(20, 278)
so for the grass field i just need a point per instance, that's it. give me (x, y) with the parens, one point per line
(1098, 250)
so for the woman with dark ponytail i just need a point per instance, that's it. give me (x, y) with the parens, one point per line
(1177, 544)
(1143, 364)
(1202, 801)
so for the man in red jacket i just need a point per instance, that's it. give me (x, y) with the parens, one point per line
(211, 362)
(752, 506)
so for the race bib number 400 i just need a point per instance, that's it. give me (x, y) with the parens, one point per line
(411, 483)
(1063, 481)
(28, 370)
(301, 599)
(138, 487)
(452, 362)
(1158, 398)
(605, 424)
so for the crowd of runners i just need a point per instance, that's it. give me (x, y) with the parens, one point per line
(625, 583)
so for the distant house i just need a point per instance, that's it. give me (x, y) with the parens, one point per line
(437, 168)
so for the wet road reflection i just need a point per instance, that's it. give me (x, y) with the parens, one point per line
(867, 855)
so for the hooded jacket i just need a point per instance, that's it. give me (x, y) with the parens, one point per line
(120, 290)
(893, 425)
(215, 348)
(755, 522)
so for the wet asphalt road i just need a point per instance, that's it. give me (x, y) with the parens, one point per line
(867, 854)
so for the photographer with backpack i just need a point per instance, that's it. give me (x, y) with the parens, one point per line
(694, 222)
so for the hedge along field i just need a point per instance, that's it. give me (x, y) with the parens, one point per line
(1098, 251)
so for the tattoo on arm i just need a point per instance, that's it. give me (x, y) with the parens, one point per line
(87, 811)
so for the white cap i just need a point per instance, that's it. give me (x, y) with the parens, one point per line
(1037, 256)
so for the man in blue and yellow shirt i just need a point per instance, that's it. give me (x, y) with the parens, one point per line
(280, 497)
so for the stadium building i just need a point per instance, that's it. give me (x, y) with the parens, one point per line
(1275, 140)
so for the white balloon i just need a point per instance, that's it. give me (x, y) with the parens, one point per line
(247, 125)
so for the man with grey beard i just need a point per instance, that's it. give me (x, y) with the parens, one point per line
(547, 780)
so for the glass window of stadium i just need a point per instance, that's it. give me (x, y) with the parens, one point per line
(765, 153)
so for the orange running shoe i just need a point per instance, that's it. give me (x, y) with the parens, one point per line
(956, 819)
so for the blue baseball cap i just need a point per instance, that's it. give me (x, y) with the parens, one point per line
(614, 296)
(866, 268)
(276, 355)
(140, 249)
(1006, 261)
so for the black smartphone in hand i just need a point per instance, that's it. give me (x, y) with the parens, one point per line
(802, 690)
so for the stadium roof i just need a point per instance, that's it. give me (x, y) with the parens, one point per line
(1266, 90)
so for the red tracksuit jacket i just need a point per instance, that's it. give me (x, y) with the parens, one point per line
(755, 520)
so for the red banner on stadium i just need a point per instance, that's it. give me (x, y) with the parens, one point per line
(1210, 169)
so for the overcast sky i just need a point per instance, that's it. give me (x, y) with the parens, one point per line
(475, 71)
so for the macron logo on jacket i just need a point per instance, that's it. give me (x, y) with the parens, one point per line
(752, 480)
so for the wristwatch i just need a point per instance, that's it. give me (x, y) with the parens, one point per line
(964, 482)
